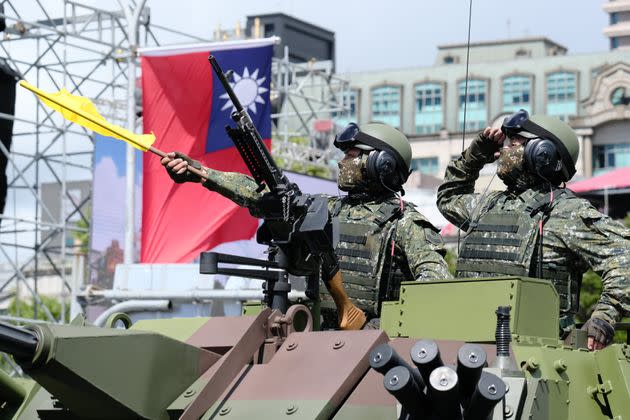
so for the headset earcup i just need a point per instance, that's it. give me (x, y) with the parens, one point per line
(541, 157)
(370, 165)
(381, 166)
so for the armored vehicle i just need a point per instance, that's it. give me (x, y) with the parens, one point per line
(464, 348)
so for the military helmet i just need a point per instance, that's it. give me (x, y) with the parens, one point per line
(553, 148)
(389, 159)
(562, 131)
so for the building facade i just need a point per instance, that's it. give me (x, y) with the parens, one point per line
(433, 105)
(618, 30)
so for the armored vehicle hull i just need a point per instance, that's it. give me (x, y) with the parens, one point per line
(272, 365)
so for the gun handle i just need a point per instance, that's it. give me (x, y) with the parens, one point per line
(350, 317)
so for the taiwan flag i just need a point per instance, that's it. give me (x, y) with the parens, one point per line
(187, 109)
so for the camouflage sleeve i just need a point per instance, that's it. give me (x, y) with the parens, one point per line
(423, 247)
(239, 188)
(604, 244)
(456, 198)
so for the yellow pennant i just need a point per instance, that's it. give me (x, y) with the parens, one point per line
(82, 111)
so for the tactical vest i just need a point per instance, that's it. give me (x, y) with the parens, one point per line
(370, 274)
(506, 242)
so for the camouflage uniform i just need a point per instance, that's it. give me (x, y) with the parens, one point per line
(367, 226)
(575, 237)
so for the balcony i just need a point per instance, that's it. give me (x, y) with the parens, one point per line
(616, 6)
(620, 29)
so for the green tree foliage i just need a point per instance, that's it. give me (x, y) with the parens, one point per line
(82, 238)
(302, 167)
(26, 309)
(451, 260)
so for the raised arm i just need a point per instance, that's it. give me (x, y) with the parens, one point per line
(456, 197)
(235, 186)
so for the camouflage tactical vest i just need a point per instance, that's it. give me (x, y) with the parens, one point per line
(506, 242)
(364, 252)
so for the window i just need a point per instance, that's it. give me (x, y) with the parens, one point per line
(386, 105)
(619, 96)
(428, 114)
(428, 166)
(614, 43)
(614, 18)
(521, 53)
(561, 95)
(516, 93)
(476, 107)
(449, 59)
(350, 101)
(269, 28)
(610, 156)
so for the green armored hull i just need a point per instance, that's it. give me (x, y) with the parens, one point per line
(272, 366)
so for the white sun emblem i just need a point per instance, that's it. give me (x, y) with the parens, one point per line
(248, 89)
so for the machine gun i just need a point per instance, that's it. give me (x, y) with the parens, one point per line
(297, 227)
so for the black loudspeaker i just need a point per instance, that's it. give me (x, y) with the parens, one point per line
(381, 166)
(541, 157)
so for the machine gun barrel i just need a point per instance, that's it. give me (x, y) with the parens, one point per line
(249, 143)
(18, 342)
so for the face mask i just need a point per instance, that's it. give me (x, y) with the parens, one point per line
(352, 173)
(511, 168)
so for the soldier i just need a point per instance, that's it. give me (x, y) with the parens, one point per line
(537, 227)
(383, 239)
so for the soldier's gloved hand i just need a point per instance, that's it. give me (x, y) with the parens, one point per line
(485, 147)
(600, 333)
(177, 164)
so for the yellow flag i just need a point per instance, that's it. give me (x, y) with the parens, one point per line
(82, 111)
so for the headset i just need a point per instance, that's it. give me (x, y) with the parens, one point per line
(545, 155)
(542, 158)
(384, 164)
(381, 166)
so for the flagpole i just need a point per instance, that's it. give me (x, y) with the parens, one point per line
(132, 24)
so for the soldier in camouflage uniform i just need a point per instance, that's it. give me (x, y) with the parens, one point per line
(383, 239)
(536, 227)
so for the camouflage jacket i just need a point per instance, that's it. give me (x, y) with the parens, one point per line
(415, 237)
(576, 235)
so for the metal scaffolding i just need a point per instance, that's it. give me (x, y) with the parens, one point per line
(86, 50)
(312, 101)
(89, 51)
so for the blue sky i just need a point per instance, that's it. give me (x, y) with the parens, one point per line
(373, 35)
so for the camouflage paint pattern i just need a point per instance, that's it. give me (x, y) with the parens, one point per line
(576, 235)
(417, 241)
(510, 159)
(320, 375)
(351, 172)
